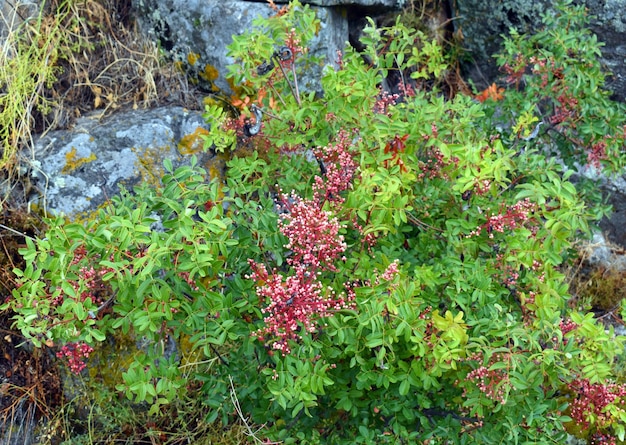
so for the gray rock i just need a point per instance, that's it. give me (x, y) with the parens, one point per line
(382, 4)
(609, 23)
(14, 13)
(77, 170)
(188, 27)
(603, 253)
(485, 21)
(614, 226)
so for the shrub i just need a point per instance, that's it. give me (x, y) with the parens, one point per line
(381, 267)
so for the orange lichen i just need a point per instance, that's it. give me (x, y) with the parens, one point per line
(72, 161)
(193, 142)
(209, 73)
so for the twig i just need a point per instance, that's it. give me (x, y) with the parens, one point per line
(295, 81)
(16, 232)
(415, 221)
(293, 92)
(224, 362)
(250, 433)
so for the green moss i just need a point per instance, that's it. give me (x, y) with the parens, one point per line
(601, 288)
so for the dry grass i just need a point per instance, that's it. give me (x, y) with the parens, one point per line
(111, 65)
(75, 57)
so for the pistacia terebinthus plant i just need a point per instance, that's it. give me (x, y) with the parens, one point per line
(380, 263)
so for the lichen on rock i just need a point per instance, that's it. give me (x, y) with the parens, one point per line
(82, 168)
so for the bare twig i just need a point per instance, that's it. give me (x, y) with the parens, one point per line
(16, 232)
(250, 433)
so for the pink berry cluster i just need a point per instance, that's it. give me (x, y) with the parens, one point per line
(193, 284)
(340, 166)
(602, 439)
(516, 72)
(545, 68)
(75, 353)
(392, 270)
(315, 244)
(567, 325)
(369, 239)
(432, 165)
(293, 43)
(596, 154)
(313, 236)
(494, 383)
(295, 303)
(406, 89)
(567, 108)
(90, 284)
(512, 217)
(384, 101)
(591, 402)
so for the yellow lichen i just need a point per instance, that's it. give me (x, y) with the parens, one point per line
(179, 66)
(210, 100)
(150, 164)
(72, 161)
(209, 73)
(193, 143)
(192, 58)
(88, 215)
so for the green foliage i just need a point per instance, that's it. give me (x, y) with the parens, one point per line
(449, 321)
(556, 77)
(148, 265)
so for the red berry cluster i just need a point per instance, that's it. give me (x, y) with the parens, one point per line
(339, 165)
(494, 383)
(513, 216)
(592, 400)
(75, 353)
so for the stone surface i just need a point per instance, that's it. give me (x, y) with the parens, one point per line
(187, 27)
(382, 4)
(13, 13)
(609, 23)
(483, 22)
(79, 169)
(615, 225)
